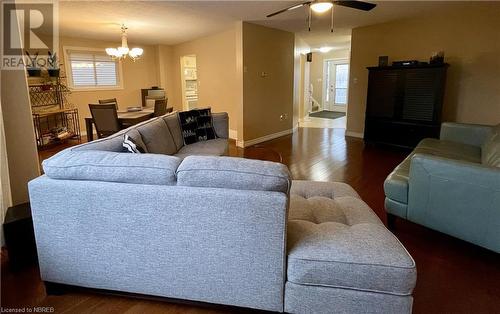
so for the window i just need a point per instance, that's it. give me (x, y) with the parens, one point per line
(92, 69)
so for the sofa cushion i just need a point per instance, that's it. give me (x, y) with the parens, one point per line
(113, 167)
(233, 173)
(217, 147)
(336, 240)
(221, 124)
(110, 144)
(396, 184)
(157, 137)
(490, 151)
(172, 120)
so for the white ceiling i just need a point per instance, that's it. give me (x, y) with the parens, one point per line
(174, 22)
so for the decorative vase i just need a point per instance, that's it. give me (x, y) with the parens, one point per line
(53, 72)
(36, 72)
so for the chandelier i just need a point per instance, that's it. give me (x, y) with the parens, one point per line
(123, 51)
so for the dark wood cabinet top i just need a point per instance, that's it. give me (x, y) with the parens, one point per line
(418, 66)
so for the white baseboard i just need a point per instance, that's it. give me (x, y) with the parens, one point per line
(354, 134)
(264, 138)
(233, 134)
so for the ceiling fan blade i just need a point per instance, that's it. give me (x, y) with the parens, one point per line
(360, 5)
(293, 7)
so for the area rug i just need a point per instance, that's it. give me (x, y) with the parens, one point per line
(327, 114)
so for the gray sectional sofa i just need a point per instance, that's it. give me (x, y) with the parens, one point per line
(452, 184)
(213, 229)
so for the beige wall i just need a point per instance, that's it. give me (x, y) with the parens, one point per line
(316, 77)
(165, 63)
(470, 38)
(216, 69)
(300, 79)
(266, 98)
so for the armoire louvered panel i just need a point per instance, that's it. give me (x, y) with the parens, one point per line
(383, 91)
(419, 95)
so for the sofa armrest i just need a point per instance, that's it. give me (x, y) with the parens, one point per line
(233, 173)
(456, 197)
(471, 134)
(221, 124)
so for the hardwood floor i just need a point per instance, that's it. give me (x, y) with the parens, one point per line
(453, 276)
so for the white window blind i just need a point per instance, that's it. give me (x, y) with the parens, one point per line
(93, 70)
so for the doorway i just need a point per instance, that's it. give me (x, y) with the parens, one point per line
(336, 84)
(189, 80)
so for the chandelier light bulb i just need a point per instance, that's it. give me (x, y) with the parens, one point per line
(123, 50)
(136, 52)
(112, 51)
(321, 7)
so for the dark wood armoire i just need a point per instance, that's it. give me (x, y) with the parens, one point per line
(404, 104)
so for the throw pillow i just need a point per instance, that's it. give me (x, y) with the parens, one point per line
(196, 125)
(132, 146)
(205, 129)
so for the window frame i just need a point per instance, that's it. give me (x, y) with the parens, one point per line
(69, 74)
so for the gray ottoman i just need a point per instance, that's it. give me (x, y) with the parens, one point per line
(341, 258)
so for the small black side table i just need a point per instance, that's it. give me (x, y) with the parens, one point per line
(19, 236)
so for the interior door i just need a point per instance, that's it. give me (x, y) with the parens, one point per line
(336, 85)
(329, 87)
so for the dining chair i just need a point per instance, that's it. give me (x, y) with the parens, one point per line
(105, 119)
(109, 101)
(161, 107)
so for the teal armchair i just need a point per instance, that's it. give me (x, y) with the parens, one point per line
(451, 184)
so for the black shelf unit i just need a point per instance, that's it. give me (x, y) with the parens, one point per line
(404, 104)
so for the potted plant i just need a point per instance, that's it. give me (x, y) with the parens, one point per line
(32, 68)
(53, 68)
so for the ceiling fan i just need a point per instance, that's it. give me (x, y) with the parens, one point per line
(321, 6)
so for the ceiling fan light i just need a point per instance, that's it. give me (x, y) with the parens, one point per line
(321, 7)
(325, 49)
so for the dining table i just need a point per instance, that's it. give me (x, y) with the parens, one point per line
(125, 117)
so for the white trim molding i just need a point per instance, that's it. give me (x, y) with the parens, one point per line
(243, 144)
(233, 134)
(354, 134)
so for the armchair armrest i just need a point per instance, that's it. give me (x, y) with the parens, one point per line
(456, 197)
(471, 134)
